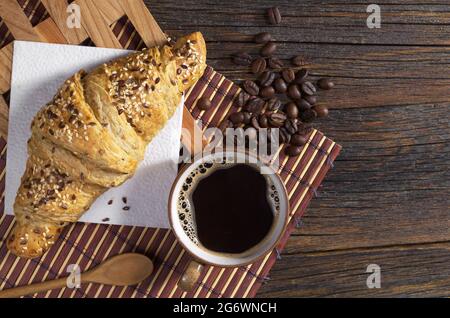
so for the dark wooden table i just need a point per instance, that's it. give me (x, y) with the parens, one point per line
(386, 202)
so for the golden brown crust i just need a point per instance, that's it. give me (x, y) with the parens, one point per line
(93, 134)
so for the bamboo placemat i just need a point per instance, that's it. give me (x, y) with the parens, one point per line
(89, 244)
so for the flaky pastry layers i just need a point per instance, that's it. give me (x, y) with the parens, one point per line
(93, 134)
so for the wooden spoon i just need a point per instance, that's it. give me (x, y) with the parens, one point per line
(120, 270)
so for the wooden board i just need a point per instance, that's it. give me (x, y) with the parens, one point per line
(386, 200)
(387, 194)
(90, 244)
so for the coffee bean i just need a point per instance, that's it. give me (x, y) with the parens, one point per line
(251, 87)
(285, 137)
(321, 111)
(301, 75)
(251, 133)
(242, 59)
(292, 110)
(280, 85)
(263, 121)
(204, 103)
(286, 134)
(308, 115)
(267, 92)
(303, 104)
(242, 99)
(247, 118)
(255, 123)
(262, 37)
(275, 63)
(288, 75)
(237, 118)
(308, 88)
(325, 83)
(292, 151)
(273, 104)
(274, 15)
(291, 126)
(266, 78)
(298, 60)
(299, 139)
(268, 49)
(254, 105)
(277, 119)
(258, 65)
(311, 99)
(294, 92)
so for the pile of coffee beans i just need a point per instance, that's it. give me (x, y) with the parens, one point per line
(281, 96)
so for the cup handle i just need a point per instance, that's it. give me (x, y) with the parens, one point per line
(190, 276)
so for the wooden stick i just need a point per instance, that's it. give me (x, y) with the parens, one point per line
(110, 10)
(49, 32)
(144, 23)
(192, 134)
(58, 12)
(5, 68)
(4, 111)
(96, 26)
(16, 21)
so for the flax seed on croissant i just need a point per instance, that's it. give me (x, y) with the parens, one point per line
(93, 134)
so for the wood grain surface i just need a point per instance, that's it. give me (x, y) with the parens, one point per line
(58, 11)
(386, 200)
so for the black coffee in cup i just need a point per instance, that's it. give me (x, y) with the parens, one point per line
(228, 208)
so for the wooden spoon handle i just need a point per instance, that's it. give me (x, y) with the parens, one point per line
(32, 289)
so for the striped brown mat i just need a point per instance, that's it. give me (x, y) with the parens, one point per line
(90, 244)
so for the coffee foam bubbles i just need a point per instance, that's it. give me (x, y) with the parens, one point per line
(186, 211)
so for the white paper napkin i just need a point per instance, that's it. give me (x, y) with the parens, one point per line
(38, 70)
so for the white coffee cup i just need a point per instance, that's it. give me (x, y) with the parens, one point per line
(202, 255)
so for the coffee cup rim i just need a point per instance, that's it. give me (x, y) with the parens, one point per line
(205, 261)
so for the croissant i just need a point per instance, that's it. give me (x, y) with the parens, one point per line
(93, 134)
